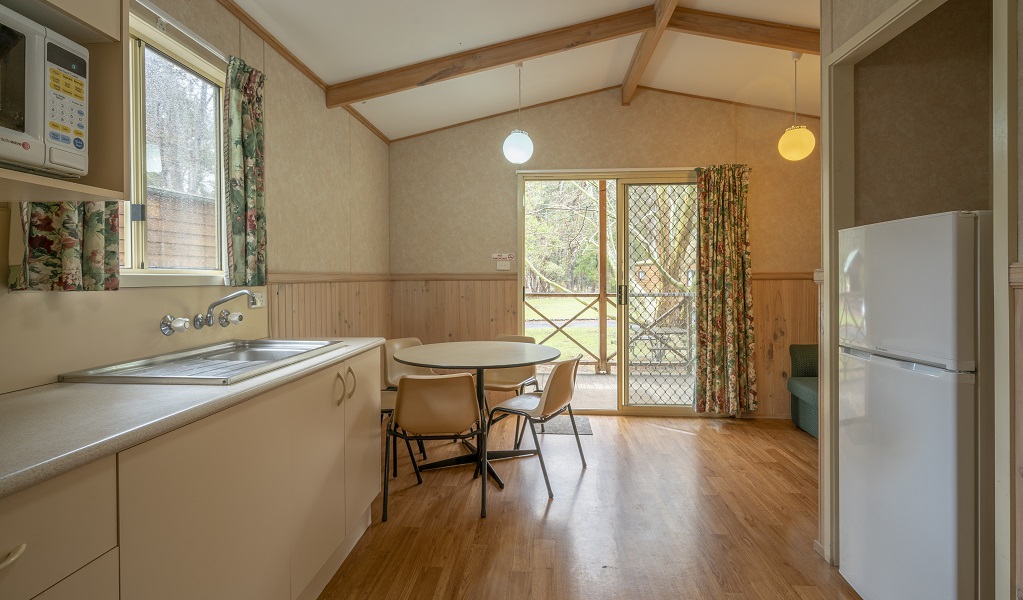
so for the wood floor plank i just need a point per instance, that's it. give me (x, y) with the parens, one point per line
(668, 508)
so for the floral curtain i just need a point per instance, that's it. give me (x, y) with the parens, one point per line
(69, 246)
(726, 380)
(246, 217)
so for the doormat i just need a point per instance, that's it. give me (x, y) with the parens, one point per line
(560, 425)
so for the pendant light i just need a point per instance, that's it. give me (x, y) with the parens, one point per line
(517, 146)
(797, 142)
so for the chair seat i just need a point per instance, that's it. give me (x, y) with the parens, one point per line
(494, 383)
(527, 404)
(804, 387)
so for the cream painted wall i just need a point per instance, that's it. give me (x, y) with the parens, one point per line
(923, 117)
(453, 195)
(327, 210)
(842, 20)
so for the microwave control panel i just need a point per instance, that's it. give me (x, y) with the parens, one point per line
(67, 103)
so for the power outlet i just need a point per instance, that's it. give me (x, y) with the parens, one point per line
(258, 300)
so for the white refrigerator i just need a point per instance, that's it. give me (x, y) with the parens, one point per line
(915, 407)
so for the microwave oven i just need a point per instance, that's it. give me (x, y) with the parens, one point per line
(44, 99)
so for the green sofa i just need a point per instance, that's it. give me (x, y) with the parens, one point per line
(803, 386)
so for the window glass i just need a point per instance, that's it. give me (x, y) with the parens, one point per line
(182, 170)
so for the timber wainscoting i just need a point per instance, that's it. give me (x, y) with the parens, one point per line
(460, 306)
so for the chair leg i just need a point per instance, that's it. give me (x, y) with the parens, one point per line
(539, 454)
(482, 443)
(387, 460)
(415, 465)
(422, 449)
(520, 432)
(394, 453)
(576, 432)
(518, 435)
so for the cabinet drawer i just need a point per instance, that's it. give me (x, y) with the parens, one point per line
(65, 523)
(95, 581)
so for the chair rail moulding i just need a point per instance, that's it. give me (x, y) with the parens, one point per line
(285, 278)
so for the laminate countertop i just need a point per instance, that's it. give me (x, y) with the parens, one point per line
(49, 430)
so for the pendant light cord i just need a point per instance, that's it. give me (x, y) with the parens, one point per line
(519, 67)
(795, 74)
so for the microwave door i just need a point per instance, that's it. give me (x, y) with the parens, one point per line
(21, 90)
(12, 79)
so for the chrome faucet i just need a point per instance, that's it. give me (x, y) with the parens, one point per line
(208, 319)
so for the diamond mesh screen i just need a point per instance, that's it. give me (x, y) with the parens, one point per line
(662, 271)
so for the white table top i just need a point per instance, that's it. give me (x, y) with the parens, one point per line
(476, 355)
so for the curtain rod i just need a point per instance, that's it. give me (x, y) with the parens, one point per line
(161, 15)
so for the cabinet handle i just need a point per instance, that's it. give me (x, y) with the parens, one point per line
(12, 556)
(344, 388)
(355, 382)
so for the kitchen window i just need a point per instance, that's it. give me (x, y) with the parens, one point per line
(172, 231)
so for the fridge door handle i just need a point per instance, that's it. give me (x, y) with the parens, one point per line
(860, 354)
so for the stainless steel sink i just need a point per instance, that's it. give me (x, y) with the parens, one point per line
(220, 364)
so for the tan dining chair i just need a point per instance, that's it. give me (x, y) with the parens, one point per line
(437, 407)
(540, 407)
(512, 379)
(390, 375)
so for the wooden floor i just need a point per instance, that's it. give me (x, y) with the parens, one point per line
(668, 508)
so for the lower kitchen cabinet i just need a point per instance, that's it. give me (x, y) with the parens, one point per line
(260, 501)
(362, 438)
(53, 529)
(316, 484)
(203, 509)
(335, 458)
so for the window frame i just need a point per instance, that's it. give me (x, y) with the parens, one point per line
(134, 273)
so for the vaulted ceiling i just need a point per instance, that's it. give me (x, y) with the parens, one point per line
(408, 66)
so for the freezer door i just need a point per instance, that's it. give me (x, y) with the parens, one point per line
(906, 479)
(907, 289)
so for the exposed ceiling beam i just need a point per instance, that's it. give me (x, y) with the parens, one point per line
(489, 57)
(663, 12)
(746, 31)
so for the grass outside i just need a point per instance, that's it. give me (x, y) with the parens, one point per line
(585, 329)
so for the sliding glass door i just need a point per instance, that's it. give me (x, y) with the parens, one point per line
(609, 272)
(657, 274)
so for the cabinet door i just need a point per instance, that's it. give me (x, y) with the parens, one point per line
(103, 15)
(362, 436)
(316, 480)
(95, 581)
(203, 508)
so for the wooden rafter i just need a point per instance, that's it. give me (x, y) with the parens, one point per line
(489, 57)
(746, 31)
(663, 11)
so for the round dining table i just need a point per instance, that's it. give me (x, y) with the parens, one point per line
(477, 356)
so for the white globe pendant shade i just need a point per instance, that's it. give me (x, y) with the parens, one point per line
(518, 147)
(795, 144)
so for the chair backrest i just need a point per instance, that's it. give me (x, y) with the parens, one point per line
(393, 370)
(436, 404)
(513, 374)
(560, 386)
(804, 360)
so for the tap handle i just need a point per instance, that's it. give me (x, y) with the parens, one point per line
(169, 325)
(230, 318)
